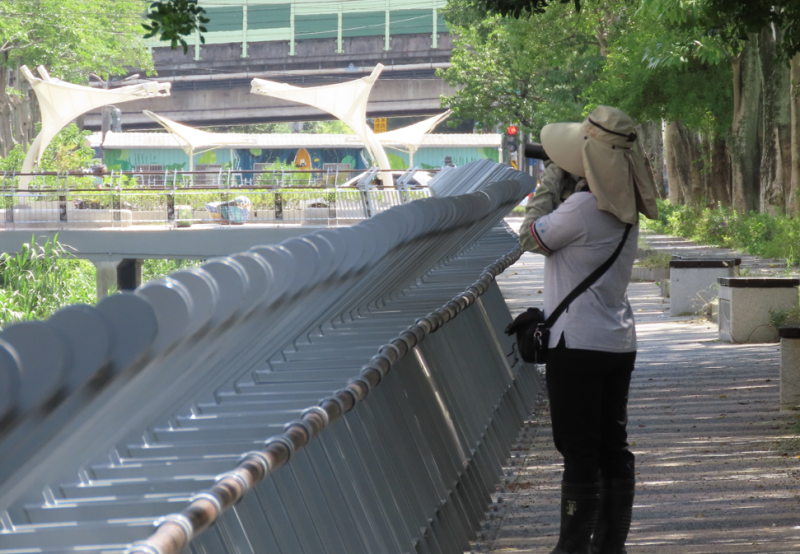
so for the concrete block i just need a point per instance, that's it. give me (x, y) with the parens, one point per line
(790, 367)
(693, 283)
(745, 303)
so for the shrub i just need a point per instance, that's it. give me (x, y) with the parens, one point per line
(156, 269)
(655, 260)
(41, 279)
(755, 233)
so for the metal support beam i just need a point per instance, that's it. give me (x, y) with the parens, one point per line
(129, 274)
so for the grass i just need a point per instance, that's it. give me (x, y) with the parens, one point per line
(40, 279)
(156, 269)
(759, 234)
(43, 278)
(655, 260)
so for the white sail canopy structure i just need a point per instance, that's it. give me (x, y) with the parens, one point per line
(194, 141)
(410, 138)
(345, 101)
(61, 102)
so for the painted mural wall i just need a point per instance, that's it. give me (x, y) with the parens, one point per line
(287, 156)
(432, 158)
(172, 159)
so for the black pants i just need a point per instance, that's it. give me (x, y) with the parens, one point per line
(588, 392)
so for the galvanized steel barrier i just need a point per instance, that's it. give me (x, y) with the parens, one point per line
(179, 403)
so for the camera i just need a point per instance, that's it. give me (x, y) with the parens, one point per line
(535, 150)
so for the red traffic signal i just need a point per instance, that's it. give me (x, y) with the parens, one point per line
(512, 130)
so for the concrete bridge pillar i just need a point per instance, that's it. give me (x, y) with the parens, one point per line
(129, 274)
(125, 274)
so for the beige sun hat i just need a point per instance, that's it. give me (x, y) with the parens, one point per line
(601, 150)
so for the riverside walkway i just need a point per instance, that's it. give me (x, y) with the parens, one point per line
(717, 464)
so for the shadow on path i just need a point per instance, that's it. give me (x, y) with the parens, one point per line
(717, 464)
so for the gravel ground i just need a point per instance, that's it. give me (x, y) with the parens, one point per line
(718, 469)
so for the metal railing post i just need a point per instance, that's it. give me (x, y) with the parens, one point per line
(8, 198)
(332, 204)
(363, 187)
(171, 200)
(116, 200)
(279, 200)
(62, 198)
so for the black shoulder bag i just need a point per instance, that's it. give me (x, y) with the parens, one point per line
(531, 327)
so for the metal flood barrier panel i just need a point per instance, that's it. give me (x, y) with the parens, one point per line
(349, 391)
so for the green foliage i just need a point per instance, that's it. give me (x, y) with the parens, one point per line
(516, 8)
(651, 59)
(334, 127)
(778, 318)
(69, 151)
(737, 18)
(171, 20)
(760, 234)
(686, 34)
(42, 279)
(655, 260)
(697, 92)
(157, 269)
(254, 128)
(728, 20)
(73, 38)
(13, 162)
(528, 71)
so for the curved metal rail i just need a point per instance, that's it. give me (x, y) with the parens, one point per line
(120, 414)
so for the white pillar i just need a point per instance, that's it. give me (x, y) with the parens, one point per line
(106, 277)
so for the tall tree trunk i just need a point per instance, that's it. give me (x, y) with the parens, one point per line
(776, 126)
(6, 115)
(651, 141)
(697, 166)
(793, 195)
(26, 117)
(679, 163)
(743, 140)
(719, 184)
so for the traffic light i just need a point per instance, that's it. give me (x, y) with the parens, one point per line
(512, 134)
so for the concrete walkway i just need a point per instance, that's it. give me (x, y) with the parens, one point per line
(717, 463)
(684, 247)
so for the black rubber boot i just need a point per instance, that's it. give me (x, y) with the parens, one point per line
(579, 507)
(614, 522)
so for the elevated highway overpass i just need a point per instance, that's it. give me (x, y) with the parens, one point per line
(303, 44)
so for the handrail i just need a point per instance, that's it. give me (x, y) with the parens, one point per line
(145, 382)
(208, 172)
(175, 531)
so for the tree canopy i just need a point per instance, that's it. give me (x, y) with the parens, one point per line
(171, 20)
(526, 71)
(729, 19)
(73, 38)
(558, 64)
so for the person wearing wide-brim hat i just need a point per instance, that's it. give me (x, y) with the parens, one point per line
(592, 343)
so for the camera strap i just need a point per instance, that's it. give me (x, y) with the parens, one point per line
(588, 282)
